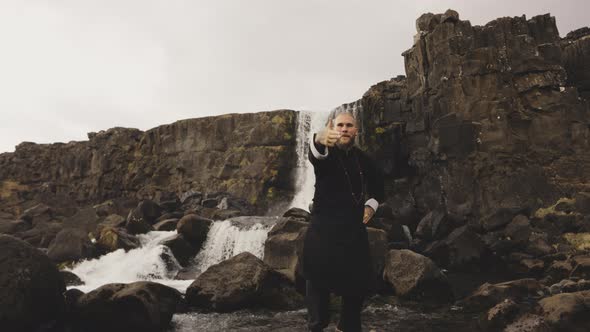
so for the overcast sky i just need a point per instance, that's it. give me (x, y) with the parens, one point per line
(69, 67)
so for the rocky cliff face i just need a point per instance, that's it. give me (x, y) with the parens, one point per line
(487, 117)
(248, 156)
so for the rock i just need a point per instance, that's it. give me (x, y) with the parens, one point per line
(427, 22)
(519, 230)
(564, 286)
(582, 202)
(415, 276)
(528, 323)
(567, 312)
(148, 211)
(105, 208)
(181, 248)
(71, 279)
(225, 214)
(583, 284)
(298, 213)
(538, 246)
(136, 224)
(210, 202)
(575, 48)
(112, 221)
(500, 315)
(488, 295)
(499, 218)
(170, 215)
(450, 16)
(284, 246)
(14, 226)
(166, 225)
(242, 281)
(194, 229)
(71, 245)
(84, 219)
(111, 239)
(581, 265)
(531, 266)
(138, 306)
(41, 235)
(431, 226)
(460, 249)
(40, 213)
(559, 269)
(31, 287)
(168, 201)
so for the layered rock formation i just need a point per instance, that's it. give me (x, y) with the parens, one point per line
(487, 117)
(249, 156)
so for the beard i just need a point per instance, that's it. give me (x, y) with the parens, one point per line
(345, 145)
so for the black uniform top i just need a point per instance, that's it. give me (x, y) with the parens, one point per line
(345, 180)
(336, 253)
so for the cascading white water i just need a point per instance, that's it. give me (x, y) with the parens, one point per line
(155, 262)
(227, 239)
(308, 123)
(144, 263)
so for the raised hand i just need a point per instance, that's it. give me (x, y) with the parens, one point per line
(369, 212)
(328, 136)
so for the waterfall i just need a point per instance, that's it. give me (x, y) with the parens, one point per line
(152, 261)
(155, 262)
(308, 123)
(233, 236)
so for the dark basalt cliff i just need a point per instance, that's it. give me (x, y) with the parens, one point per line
(248, 156)
(488, 117)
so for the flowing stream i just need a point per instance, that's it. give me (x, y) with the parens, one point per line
(155, 262)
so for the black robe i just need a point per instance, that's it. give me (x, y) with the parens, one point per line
(336, 252)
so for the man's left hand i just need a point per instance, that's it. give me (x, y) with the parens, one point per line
(369, 212)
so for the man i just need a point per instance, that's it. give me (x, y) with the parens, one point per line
(336, 251)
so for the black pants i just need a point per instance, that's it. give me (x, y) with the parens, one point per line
(318, 314)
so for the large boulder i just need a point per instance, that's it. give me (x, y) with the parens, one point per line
(31, 287)
(242, 281)
(283, 247)
(194, 229)
(463, 248)
(415, 276)
(567, 312)
(138, 306)
(71, 245)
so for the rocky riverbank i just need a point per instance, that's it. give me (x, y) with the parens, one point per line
(484, 147)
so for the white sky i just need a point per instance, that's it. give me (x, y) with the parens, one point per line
(68, 67)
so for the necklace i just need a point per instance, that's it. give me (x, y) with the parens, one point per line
(357, 199)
